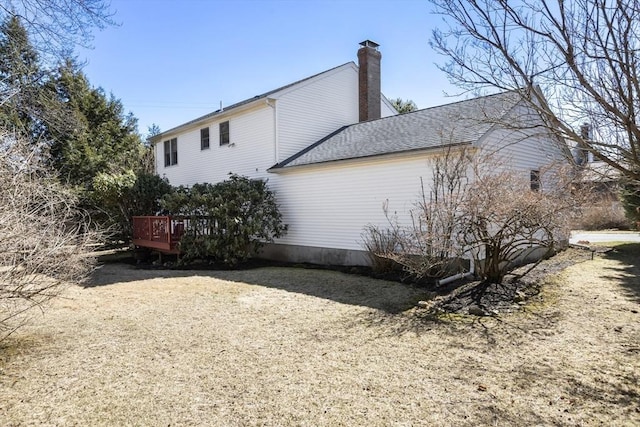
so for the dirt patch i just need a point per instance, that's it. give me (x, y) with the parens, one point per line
(291, 347)
(521, 286)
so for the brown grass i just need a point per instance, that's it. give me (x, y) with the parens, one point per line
(282, 346)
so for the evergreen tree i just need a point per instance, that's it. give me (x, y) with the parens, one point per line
(403, 106)
(630, 198)
(22, 94)
(100, 137)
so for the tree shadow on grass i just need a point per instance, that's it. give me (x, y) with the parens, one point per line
(385, 296)
(627, 274)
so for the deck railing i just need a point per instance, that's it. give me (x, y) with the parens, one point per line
(161, 233)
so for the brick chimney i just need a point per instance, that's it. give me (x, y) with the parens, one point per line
(582, 153)
(369, 80)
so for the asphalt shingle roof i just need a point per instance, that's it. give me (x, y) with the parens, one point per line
(456, 123)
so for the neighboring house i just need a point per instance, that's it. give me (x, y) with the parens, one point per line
(595, 174)
(603, 184)
(334, 151)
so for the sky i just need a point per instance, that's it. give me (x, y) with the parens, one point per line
(170, 61)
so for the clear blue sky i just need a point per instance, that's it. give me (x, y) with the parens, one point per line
(170, 61)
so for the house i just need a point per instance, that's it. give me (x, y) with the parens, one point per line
(334, 150)
(603, 184)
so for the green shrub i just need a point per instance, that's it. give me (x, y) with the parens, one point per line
(120, 196)
(630, 198)
(228, 221)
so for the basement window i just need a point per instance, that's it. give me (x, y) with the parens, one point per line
(535, 180)
(171, 152)
(204, 138)
(224, 133)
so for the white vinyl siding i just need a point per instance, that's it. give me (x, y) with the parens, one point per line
(532, 148)
(315, 109)
(328, 206)
(303, 113)
(250, 152)
(386, 109)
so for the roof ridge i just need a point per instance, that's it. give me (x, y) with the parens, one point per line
(437, 106)
(463, 121)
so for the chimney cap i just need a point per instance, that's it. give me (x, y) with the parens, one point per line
(369, 43)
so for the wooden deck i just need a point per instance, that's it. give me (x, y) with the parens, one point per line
(160, 233)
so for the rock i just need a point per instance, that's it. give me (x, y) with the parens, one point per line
(519, 296)
(423, 304)
(474, 310)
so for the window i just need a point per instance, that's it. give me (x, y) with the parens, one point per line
(535, 180)
(224, 133)
(171, 152)
(204, 138)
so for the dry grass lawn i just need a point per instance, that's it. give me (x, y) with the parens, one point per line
(296, 347)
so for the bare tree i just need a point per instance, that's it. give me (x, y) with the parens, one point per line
(45, 240)
(574, 62)
(57, 26)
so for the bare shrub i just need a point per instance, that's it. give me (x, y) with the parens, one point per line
(45, 239)
(427, 248)
(381, 243)
(603, 215)
(479, 208)
(502, 215)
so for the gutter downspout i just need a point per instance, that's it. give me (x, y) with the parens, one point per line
(276, 147)
(458, 276)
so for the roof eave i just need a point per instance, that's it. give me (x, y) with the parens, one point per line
(247, 103)
(218, 114)
(278, 168)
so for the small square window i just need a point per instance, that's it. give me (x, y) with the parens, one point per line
(224, 133)
(204, 138)
(535, 180)
(171, 152)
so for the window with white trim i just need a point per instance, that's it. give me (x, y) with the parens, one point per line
(224, 133)
(171, 152)
(204, 138)
(535, 180)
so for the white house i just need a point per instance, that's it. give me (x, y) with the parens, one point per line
(334, 150)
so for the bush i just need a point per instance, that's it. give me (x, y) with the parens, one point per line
(380, 244)
(46, 239)
(603, 215)
(490, 218)
(120, 196)
(228, 221)
(630, 196)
